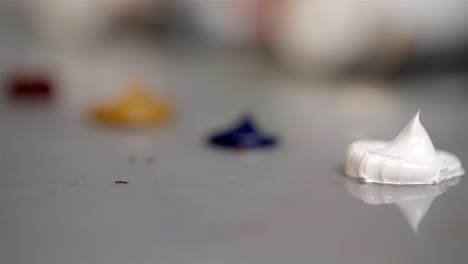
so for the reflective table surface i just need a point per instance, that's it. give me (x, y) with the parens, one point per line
(188, 203)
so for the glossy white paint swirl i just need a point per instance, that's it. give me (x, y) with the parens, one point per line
(408, 159)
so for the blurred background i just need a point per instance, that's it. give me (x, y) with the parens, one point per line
(298, 39)
(317, 73)
(323, 38)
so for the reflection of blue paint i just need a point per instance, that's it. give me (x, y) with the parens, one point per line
(244, 135)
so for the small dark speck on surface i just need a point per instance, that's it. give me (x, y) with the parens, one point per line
(121, 182)
(131, 159)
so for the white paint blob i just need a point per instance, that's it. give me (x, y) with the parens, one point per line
(409, 159)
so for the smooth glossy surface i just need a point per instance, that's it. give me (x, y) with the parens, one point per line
(414, 201)
(244, 135)
(409, 159)
(59, 203)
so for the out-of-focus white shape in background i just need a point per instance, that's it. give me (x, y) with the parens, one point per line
(78, 22)
(323, 36)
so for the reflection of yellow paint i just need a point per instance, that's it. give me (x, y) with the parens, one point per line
(138, 107)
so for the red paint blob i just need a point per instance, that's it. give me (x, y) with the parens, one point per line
(30, 85)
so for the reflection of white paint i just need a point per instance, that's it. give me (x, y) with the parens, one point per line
(413, 201)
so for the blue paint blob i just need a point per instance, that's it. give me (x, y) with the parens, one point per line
(243, 136)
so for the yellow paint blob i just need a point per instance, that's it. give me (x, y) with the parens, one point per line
(137, 107)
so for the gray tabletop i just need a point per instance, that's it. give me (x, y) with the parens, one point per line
(194, 204)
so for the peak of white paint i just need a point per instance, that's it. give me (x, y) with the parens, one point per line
(413, 144)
